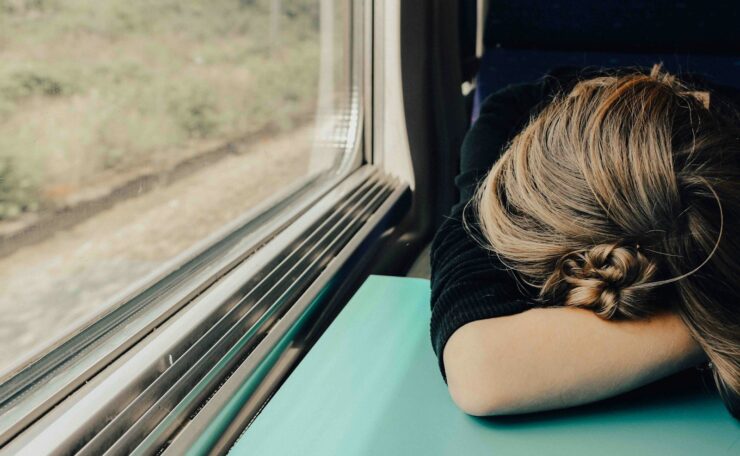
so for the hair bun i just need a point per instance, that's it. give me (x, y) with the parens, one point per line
(606, 279)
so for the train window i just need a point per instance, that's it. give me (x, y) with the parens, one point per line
(189, 191)
(132, 132)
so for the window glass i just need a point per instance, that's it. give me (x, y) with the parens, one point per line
(131, 129)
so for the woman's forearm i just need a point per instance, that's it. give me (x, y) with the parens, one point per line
(558, 357)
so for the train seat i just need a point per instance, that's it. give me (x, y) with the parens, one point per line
(524, 39)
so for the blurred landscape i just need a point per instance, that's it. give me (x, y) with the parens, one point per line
(91, 88)
(94, 93)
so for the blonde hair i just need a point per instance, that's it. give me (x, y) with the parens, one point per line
(615, 198)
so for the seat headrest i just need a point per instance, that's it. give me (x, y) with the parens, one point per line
(706, 27)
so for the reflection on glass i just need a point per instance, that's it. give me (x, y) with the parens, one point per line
(130, 129)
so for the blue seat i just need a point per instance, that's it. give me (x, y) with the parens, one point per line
(525, 39)
(501, 67)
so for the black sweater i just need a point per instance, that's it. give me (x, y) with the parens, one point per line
(469, 283)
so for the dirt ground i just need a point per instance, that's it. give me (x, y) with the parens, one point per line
(48, 286)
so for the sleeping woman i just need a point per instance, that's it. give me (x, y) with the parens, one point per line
(596, 244)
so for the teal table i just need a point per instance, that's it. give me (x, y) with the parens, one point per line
(370, 386)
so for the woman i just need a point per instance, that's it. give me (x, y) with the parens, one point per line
(600, 252)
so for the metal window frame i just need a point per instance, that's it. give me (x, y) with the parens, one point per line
(85, 415)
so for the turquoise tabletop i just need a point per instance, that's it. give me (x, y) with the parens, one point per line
(371, 386)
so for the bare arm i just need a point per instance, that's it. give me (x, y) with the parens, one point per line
(551, 358)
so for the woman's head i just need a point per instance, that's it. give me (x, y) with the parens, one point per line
(623, 197)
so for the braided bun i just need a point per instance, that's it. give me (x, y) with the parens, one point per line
(606, 279)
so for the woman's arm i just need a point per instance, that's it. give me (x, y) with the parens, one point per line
(548, 358)
(468, 283)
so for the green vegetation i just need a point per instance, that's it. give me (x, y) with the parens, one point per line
(94, 85)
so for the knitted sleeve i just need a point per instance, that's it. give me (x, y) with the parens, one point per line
(468, 282)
